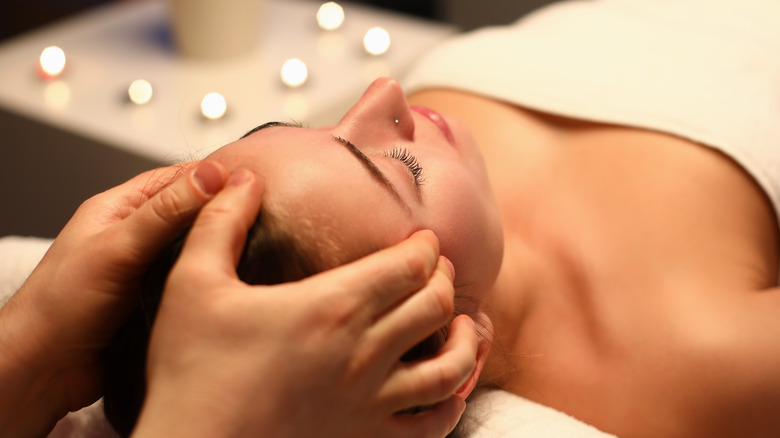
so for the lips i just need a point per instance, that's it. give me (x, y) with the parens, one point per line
(437, 120)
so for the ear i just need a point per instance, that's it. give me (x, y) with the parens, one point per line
(485, 331)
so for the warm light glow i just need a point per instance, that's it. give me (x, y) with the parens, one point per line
(52, 61)
(57, 94)
(140, 91)
(330, 16)
(376, 41)
(213, 106)
(294, 72)
(296, 106)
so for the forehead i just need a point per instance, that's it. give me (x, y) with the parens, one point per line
(315, 183)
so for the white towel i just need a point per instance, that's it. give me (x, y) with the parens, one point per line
(18, 257)
(500, 414)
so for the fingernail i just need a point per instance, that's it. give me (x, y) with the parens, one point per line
(239, 178)
(208, 177)
(449, 266)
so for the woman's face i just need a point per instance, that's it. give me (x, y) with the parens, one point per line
(384, 171)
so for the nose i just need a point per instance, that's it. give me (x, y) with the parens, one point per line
(382, 111)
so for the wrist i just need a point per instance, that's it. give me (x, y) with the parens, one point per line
(193, 407)
(184, 414)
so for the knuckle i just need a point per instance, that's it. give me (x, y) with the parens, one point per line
(416, 268)
(94, 203)
(448, 379)
(169, 206)
(335, 309)
(444, 300)
(341, 311)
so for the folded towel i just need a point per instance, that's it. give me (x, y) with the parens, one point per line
(499, 414)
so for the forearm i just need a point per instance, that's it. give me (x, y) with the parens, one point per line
(30, 404)
(26, 407)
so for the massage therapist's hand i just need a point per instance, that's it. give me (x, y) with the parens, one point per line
(315, 358)
(52, 330)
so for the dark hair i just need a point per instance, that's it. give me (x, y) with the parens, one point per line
(272, 254)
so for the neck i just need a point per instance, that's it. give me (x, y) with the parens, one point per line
(541, 276)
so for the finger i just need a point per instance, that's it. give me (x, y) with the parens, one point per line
(433, 423)
(167, 214)
(134, 192)
(217, 237)
(149, 183)
(416, 318)
(431, 380)
(386, 277)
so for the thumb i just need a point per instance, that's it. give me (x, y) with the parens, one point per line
(214, 244)
(167, 214)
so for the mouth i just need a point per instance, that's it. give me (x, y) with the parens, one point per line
(437, 119)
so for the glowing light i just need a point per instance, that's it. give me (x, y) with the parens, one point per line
(376, 41)
(57, 94)
(213, 106)
(330, 16)
(52, 61)
(140, 91)
(294, 72)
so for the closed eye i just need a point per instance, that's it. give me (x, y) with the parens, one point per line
(410, 161)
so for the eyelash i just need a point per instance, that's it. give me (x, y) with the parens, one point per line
(403, 155)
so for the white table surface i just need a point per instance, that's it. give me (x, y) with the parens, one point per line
(109, 47)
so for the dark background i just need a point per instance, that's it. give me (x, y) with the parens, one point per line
(19, 16)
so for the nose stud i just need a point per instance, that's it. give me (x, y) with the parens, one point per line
(396, 121)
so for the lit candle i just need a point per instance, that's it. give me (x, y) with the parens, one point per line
(376, 41)
(52, 62)
(140, 92)
(213, 106)
(294, 72)
(330, 16)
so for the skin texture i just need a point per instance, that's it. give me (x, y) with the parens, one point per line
(329, 367)
(53, 329)
(319, 187)
(637, 290)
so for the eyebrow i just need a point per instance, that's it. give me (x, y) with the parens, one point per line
(375, 171)
(271, 125)
(367, 163)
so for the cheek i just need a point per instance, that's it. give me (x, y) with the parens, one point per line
(466, 220)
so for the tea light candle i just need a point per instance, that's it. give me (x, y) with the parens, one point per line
(213, 106)
(52, 62)
(330, 16)
(376, 41)
(140, 92)
(294, 72)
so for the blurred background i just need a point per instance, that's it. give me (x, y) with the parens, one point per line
(58, 151)
(17, 17)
